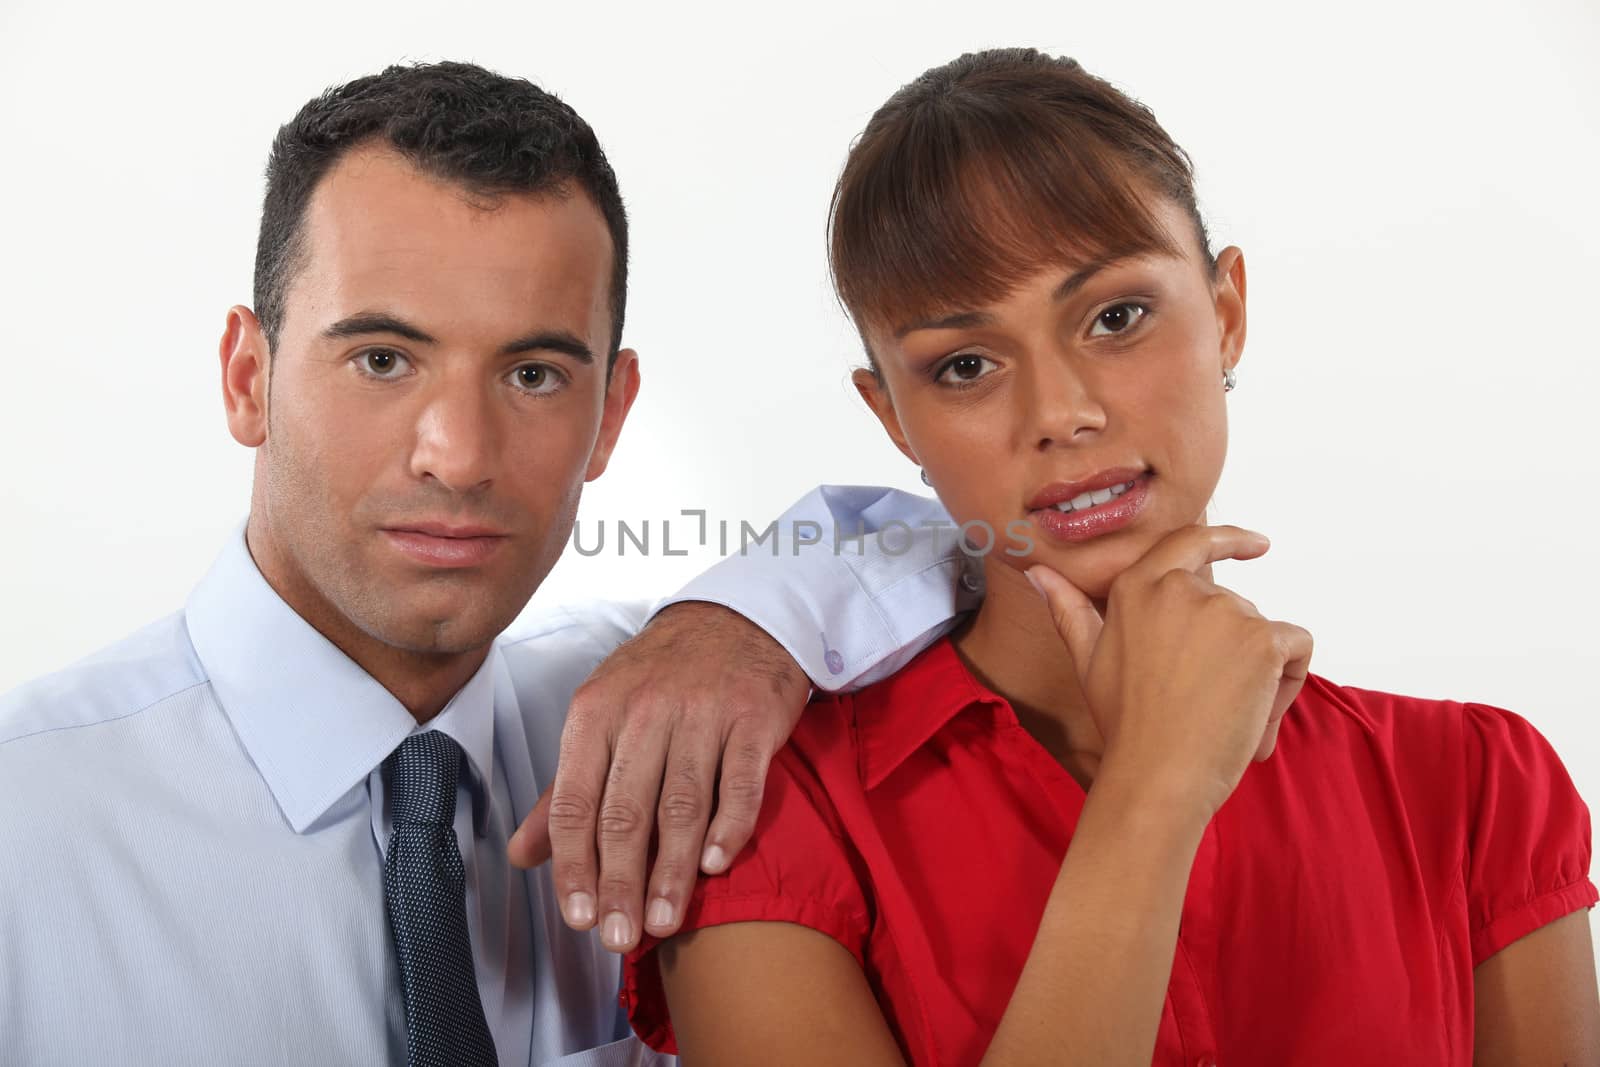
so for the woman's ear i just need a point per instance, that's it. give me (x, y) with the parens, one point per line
(1229, 289)
(876, 394)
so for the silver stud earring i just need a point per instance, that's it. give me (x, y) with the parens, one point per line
(1229, 379)
(924, 474)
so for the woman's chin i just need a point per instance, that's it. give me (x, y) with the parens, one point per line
(1090, 571)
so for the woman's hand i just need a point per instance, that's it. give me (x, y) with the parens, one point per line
(1186, 680)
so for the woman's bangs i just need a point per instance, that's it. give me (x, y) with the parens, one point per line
(952, 217)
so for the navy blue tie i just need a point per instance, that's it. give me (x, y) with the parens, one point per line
(424, 888)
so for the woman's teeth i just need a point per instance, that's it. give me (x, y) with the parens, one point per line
(1094, 499)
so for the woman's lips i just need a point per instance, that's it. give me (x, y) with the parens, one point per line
(1114, 514)
(436, 551)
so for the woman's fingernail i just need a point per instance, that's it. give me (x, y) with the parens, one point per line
(660, 915)
(714, 859)
(580, 910)
(1037, 588)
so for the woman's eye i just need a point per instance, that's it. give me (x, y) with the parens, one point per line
(1118, 319)
(964, 368)
(536, 378)
(382, 362)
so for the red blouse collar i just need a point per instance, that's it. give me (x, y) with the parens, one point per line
(897, 716)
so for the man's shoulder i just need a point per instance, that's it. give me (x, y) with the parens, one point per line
(600, 624)
(555, 648)
(125, 678)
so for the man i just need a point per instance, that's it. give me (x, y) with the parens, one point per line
(272, 828)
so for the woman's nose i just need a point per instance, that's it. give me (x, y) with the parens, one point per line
(1060, 402)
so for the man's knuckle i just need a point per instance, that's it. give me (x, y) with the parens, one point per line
(742, 790)
(571, 811)
(681, 808)
(622, 817)
(585, 703)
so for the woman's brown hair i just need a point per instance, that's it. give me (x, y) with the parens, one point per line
(988, 168)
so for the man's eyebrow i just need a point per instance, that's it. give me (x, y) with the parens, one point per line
(964, 320)
(370, 322)
(365, 322)
(550, 341)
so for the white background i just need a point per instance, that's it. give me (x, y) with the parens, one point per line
(1413, 186)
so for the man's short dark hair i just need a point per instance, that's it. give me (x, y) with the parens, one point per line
(457, 121)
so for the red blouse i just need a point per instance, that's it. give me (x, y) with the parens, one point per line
(1337, 906)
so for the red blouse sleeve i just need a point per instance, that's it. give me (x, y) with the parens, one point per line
(798, 868)
(1528, 844)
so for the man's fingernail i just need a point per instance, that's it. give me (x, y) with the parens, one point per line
(617, 932)
(580, 910)
(714, 859)
(660, 913)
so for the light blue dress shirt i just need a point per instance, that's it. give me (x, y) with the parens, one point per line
(193, 826)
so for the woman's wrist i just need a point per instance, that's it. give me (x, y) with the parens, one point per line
(1174, 809)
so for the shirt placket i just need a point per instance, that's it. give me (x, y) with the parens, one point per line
(1192, 1039)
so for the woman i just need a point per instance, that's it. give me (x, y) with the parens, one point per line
(1265, 867)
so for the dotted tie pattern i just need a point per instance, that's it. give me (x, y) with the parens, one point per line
(424, 887)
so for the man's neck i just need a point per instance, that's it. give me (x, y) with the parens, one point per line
(423, 682)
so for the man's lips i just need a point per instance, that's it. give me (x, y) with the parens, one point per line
(438, 544)
(444, 529)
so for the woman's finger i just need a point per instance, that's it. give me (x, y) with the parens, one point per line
(1191, 547)
(1075, 616)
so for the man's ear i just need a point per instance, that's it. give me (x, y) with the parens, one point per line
(244, 356)
(1230, 289)
(620, 391)
(876, 394)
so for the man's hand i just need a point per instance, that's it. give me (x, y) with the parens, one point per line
(701, 695)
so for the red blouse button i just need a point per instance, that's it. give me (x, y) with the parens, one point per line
(1206, 1061)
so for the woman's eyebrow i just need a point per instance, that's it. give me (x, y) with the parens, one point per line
(963, 320)
(1081, 277)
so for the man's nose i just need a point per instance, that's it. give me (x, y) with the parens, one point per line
(458, 442)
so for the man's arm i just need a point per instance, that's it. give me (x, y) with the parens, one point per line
(843, 589)
(853, 581)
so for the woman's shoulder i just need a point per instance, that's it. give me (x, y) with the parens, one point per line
(1405, 720)
(1477, 763)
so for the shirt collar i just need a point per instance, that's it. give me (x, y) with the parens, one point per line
(314, 723)
(469, 720)
(900, 714)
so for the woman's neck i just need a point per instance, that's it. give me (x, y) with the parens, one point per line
(1012, 647)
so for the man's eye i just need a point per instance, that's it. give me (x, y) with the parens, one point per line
(1119, 318)
(537, 378)
(968, 367)
(382, 362)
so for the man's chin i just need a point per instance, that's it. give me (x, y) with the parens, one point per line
(437, 629)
